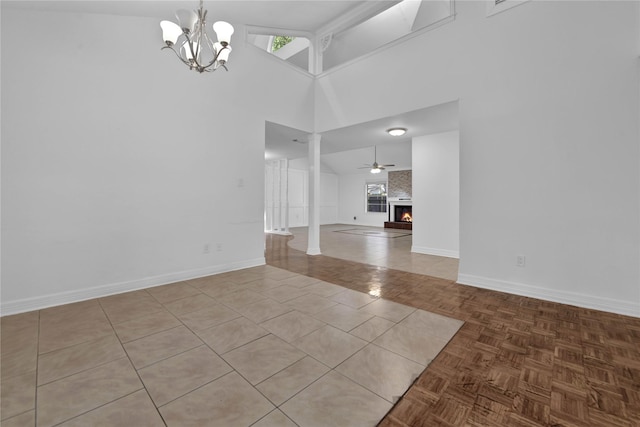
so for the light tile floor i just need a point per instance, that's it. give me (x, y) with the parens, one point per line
(384, 247)
(255, 347)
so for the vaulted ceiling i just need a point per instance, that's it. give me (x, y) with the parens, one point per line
(355, 142)
(303, 15)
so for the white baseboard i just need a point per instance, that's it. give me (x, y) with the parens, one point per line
(628, 308)
(280, 233)
(433, 251)
(51, 300)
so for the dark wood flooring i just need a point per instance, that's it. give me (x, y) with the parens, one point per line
(516, 361)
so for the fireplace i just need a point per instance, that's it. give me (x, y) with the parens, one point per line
(402, 213)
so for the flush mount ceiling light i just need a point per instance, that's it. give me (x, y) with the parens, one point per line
(195, 48)
(396, 131)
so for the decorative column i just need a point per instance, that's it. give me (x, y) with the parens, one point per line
(316, 53)
(277, 197)
(284, 196)
(269, 198)
(277, 202)
(314, 195)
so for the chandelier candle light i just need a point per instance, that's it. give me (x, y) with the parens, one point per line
(196, 49)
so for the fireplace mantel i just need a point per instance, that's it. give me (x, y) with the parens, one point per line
(393, 201)
(399, 201)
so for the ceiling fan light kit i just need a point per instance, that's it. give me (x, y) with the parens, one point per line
(196, 49)
(375, 167)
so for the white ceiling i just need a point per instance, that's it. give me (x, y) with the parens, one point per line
(344, 149)
(356, 161)
(303, 15)
(355, 142)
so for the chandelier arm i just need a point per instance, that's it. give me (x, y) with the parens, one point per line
(194, 58)
(209, 41)
(198, 35)
(211, 70)
(213, 61)
(177, 54)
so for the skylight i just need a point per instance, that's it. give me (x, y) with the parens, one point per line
(362, 32)
(280, 41)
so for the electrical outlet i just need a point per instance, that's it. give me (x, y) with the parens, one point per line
(520, 260)
(206, 248)
(218, 247)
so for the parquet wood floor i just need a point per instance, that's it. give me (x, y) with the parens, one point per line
(516, 361)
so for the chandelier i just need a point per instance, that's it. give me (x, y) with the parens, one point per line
(196, 49)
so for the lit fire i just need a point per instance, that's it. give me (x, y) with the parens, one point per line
(406, 217)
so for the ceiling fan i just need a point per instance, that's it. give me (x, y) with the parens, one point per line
(375, 167)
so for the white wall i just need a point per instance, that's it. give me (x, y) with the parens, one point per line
(103, 189)
(352, 200)
(328, 198)
(299, 194)
(549, 153)
(299, 198)
(118, 162)
(436, 179)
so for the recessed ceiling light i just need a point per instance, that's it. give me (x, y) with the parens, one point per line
(396, 131)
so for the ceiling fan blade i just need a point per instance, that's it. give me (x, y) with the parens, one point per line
(388, 165)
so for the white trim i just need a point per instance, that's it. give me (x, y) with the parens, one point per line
(395, 201)
(369, 9)
(314, 251)
(628, 308)
(275, 31)
(437, 252)
(51, 300)
(391, 44)
(266, 31)
(280, 232)
(493, 8)
(366, 196)
(366, 10)
(280, 60)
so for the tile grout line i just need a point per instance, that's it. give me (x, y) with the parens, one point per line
(203, 344)
(144, 387)
(98, 407)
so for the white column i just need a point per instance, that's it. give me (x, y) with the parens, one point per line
(285, 196)
(314, 195)
(268, 196)
(277, 197)
(277, 200)
(316, 53)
